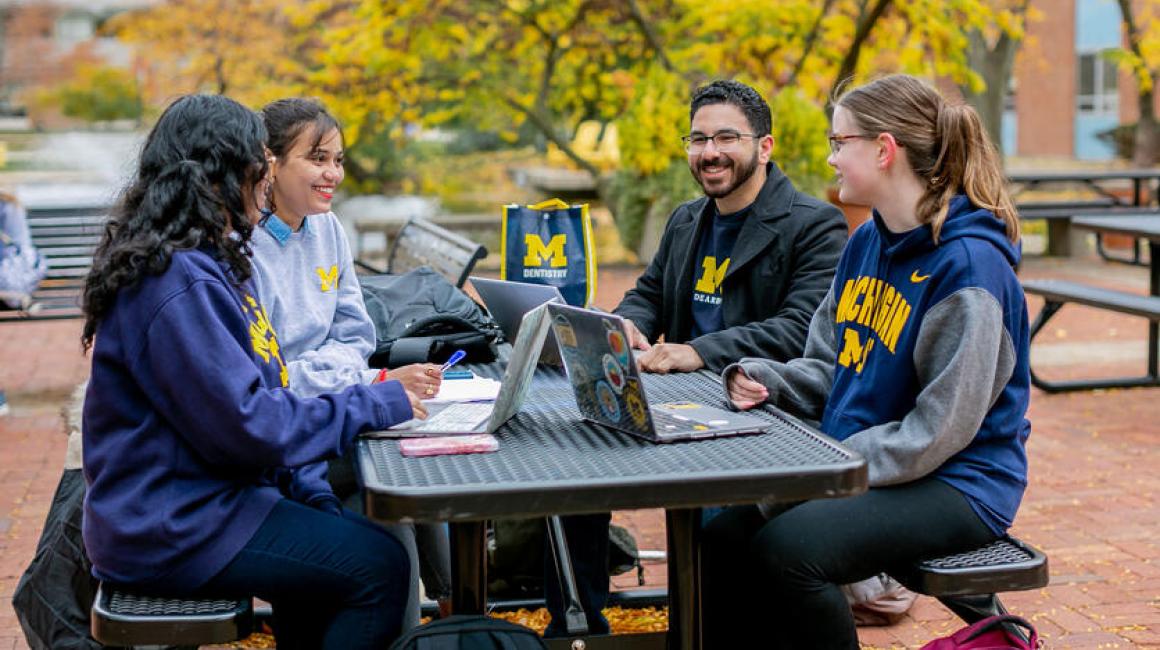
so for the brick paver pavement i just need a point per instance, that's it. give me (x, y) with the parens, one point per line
(1091, 506)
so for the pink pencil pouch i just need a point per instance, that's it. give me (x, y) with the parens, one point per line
(476, 443)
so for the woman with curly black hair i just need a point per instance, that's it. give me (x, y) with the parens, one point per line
(205, 474)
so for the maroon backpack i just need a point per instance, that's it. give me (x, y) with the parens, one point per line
(991, 633)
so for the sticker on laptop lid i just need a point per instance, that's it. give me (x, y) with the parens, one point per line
(606, 399)
(613, 372)
(679, 406)
(618, 345)
(565, 335)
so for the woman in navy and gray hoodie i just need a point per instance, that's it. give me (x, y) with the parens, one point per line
(917, 359)
(205, 475)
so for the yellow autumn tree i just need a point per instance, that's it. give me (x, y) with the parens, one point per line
(244, 48)
(1141, 57)
(386, 67)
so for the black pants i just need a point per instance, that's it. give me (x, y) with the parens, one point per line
(333, 582)
(775, 583)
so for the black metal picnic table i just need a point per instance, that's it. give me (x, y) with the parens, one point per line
(552, 462)
(1142, 228)
(1144, 199)
(1096, 180)
(1058, 292)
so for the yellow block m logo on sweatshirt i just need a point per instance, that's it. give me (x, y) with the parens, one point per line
(327, 278)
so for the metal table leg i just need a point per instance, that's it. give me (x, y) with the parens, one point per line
(468, 567)
(683, 528)
(1153, 289)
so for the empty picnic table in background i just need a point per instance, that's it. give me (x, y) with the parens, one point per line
(1058, 292)
(1107, 198)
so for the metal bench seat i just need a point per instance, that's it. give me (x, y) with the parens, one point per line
(1056, 293)
(1007, 564)
(65, 236)
(122, 618)
(421, 242)
(1061, 291)
(968, 583)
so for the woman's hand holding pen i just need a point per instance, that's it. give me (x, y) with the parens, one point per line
(422, 379)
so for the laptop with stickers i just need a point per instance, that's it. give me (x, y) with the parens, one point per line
(608, 387)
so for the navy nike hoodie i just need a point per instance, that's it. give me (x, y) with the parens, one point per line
(918, 359)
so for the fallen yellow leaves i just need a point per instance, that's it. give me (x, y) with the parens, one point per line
(621, 620)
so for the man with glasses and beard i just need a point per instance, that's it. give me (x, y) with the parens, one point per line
(739, 273)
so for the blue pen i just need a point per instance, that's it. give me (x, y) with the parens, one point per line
(455, 358)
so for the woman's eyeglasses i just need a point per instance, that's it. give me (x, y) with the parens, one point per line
(836, 141)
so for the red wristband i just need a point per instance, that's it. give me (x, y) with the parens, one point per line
(382, 376)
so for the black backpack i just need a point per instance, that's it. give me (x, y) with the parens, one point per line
(420, 317)
(515, 557)
(470, 633)
(56, 592)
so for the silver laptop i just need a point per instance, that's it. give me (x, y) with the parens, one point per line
(609, 391)
(509, 301)
(459, 418)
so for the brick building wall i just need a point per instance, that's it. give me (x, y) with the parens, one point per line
(42, 42)
(1045, 83)
(1129, 96)
(30, 54)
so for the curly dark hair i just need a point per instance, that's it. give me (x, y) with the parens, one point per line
(735, 93)
(203, 159)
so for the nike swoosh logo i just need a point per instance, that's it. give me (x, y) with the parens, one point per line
(916, 278)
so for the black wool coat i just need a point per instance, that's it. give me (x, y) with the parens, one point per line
(780, 270)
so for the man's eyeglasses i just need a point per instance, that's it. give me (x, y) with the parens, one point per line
(722, 140)
(836, 141)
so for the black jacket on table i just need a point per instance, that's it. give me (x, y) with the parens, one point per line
(779, 272)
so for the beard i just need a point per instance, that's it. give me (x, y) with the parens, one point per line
(742, 172)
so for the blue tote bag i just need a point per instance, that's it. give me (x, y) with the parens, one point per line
(550, 243)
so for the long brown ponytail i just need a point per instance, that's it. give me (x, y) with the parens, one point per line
(945, 144)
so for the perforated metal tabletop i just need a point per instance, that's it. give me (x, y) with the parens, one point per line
(550, 461)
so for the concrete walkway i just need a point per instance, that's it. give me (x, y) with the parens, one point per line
(1091, 506)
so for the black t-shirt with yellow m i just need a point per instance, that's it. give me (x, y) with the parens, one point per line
(713, 251)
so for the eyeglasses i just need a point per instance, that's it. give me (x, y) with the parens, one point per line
(723, 140)
(836, 141)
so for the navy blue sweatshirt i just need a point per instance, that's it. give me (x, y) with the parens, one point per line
(918, 359)
(190, 437)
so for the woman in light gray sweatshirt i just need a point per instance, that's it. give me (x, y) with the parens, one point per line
(304, 271)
